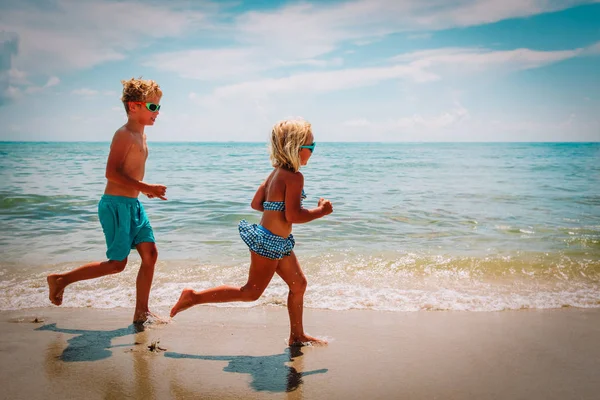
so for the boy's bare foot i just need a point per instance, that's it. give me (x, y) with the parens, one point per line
(56, 289)
(186, 300)
(141, 316)
(305, 340)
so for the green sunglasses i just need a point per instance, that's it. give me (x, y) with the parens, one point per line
(150, 106)
(153, 107)
(311, 146)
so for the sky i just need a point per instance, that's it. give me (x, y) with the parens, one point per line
(363, 70)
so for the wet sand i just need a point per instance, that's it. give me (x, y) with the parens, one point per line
(229, 353)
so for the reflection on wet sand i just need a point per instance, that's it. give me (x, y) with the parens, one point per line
(89, 346)
(129, 368)
(268, 373)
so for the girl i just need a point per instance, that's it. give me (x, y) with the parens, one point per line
(271, 243)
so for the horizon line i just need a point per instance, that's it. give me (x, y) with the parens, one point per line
(266, 142)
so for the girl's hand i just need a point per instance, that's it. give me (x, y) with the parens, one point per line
(326, 206)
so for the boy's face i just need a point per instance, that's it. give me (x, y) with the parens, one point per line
(141, 113)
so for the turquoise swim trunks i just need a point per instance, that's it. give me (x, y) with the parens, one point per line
(125, 225)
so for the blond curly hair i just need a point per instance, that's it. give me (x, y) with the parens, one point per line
(138, 90)
(286, 138)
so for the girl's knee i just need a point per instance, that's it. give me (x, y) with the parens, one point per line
(251, 294)
(299, 286)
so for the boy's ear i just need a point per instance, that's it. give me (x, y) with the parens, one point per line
(132, 105)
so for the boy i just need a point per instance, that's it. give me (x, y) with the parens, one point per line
(124, 221)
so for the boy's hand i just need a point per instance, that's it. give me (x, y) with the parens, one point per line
(156, 191)
(325, 206)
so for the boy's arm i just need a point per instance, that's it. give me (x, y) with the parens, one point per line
(294, 212)
(120, 146)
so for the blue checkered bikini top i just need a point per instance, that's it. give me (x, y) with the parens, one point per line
(279, 205)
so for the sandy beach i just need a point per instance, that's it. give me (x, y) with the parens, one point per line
(227, 353)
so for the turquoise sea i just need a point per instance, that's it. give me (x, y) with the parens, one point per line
(416, 226)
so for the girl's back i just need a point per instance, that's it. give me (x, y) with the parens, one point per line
(274, 203)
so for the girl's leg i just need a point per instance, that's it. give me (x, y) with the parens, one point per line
(261, 272)
(58, 282)
(289, 270)
(149, 254)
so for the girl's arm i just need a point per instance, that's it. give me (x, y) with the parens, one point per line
(260, 195)
(259, 198)
(294, 212)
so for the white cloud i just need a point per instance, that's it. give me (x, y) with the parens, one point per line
(459, 125)
(9, 43)
(427, 123)
(67, 34)
(326, 81)
(312, 29)
(593, 49)
(18, 77)
(85, 92)
(211, 64)
(558, 127)
(11, 93)
(420, 35)
(302, 34)
(359, 122)
(421, 66)
(478, 59)
(15, 128)
(75, 34)
(276, 62)
(52, 81)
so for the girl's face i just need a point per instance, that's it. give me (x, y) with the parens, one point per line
(306, 153)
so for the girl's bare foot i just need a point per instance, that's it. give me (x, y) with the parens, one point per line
(56, 289)
(186, 300)
(305, 340)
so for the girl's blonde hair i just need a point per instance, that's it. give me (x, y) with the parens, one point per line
(139, 90)
(286, 138)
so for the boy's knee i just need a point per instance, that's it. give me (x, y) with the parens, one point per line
(150, 256)
(118, 266)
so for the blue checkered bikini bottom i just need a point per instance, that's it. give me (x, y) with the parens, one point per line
(264, 243)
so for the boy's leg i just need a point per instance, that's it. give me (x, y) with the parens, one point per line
(58, 282)
(115, 219)
(261, 272)
(149, 254)
(143, 238)
(290, 271)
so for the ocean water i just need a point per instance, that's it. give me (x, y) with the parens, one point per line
(417, 226)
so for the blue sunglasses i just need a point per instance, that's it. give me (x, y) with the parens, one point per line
(311, 146)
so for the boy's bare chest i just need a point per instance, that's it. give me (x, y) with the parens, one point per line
(137, 154)
(139, 150)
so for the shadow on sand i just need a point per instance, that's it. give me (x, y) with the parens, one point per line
(269, 373)
(91, 345)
